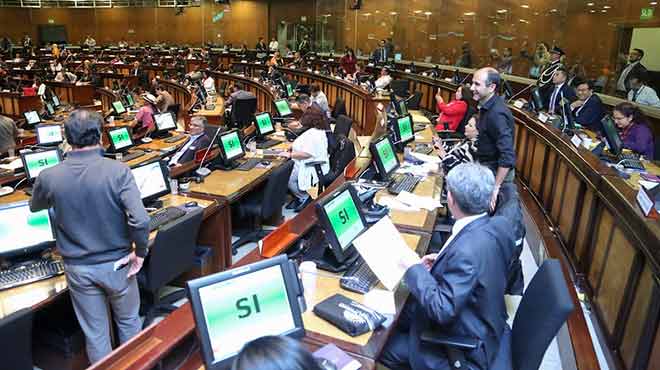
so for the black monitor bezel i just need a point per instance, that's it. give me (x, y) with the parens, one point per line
(375, 158)
(398, 107)
(258, 129)
(166, 175)
(223, 154)
(397, 130)
(158, 129)
(48, 105)
(340, 254)
(27, 122)
(114, 110)
(612, 136)
(129, 104)
(34, 248)
(278, 110)
(53, 98)
(39, 142)
(294, 295)
(28, 176)
(113, 149)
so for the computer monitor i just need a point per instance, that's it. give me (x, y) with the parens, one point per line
(118, 107)
(231, 149)
(402, 107)
(152, 180)
(32, 117)
(340, 217)
(384, 157)
(289, 90)
(49, 108)
(403, 130)
(55, 100)
(283, 108)
(23, 231)
(49, 134)
(129, 100)
(614, 143)
(164, 123)
(264, 124)
(120, 139)
(37, 161)
(234, 307)
(536, 100)
(398, 57)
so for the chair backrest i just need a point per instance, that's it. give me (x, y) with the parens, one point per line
(243, 111)
(339, 108)
(657, 148)
(173, 251)
(400, 87)
(16, 340)
(276, 189)
(341, 157)
(544, 308)
(414, 100)
(174, 109)
(343, 125)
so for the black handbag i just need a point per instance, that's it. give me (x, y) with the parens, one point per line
(349, 316)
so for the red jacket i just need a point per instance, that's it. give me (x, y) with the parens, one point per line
(348, 64)
(451, 113)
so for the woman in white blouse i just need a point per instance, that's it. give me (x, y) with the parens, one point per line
(311, 146)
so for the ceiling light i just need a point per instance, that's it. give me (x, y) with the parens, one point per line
(606, 6)
(592, 11)
(553, 10)
(417, 11)
(469, 14)
(603, 11)
(427, 13)
(590, 4)
(523, 21)
(653, 3)
(502, 11)
(525, 6)
(393, 13)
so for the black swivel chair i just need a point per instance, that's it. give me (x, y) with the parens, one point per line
(544, 308)
(174, 109)
(262, 204)
(414, 100)
(242, 112)
(343, 125)
(172, 254)
(342, 155)
(339, 108)
(16, 340)
(400, 87)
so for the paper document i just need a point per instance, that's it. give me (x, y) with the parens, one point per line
(392, 203)
(382, 247)
(381, 301)
(426, 158)
(648, 184)
(417, 201)
(13, 165)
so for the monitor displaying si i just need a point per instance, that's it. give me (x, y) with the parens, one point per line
(49, 134)
(118, 107)
(234, 307)
(231, 147)
(283, 109)
(264, 124)
(402, 107)
(120, 139)
(289, 90)
(32, 117)
(129, 100)
(403, 129)
(56, 101)
(35, 162)
(23, 231)
(50, 109)
(152, 180)
(384, 157)
(165, 121)
(614, 143)
(339, 215)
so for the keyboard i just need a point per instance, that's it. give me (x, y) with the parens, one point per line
(249, 164)
(633, 164)
(163, 216)
(403, 182)
(624, 156)
(5, 172)
(362, 278)
(132, 155)
(174, 139)
(267, 144)
(29, 273)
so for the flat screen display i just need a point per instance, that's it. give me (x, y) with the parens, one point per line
(231, 144)
(49, 134)
(264, 124)
(165, 121)
(32, 117)
(50, 109)
(405, 129)
(56, 101)
(386, 155)
(20, 228)
(36, 162)
(129, 100)
(344, 218)
(283, 108)
(150, 180)
(118, 107)
(120, 138)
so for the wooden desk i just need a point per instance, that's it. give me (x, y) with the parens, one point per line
(15, 104)
(214, 116)
(73, 93)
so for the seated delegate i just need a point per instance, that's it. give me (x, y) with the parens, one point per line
(588, 110)
(453, 113)
(275, 353)
(463, 151)
(635, 133)
(198, 140)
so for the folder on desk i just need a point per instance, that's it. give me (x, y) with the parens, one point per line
(648, 198)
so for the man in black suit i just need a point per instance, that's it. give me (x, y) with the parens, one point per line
(198, 140)
(561, 95)
(633, 68)
(380, 55)
(458, 292)
(588, 109)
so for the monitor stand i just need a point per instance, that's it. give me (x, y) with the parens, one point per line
(161, 135)
(319, 252)
(224, 165)
(156, 204)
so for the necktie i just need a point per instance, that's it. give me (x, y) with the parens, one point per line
(636, 94)
(553, 100)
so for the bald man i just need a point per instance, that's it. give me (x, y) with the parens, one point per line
(495, 125)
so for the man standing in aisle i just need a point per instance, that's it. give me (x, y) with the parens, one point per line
(99, 216)
(495, 141)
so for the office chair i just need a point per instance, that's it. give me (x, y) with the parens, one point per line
(339, 159)
(343, 125)
(263, 203)
(400, 87)
(16, 340)
(544, 308)
(339, 108)
(242, 112)
(172, 254)
(414, 100)
(174, 109)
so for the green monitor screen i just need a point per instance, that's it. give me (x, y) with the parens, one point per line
(283, 108)
(129, 100)
(49, 134)
(120, 138)
(56, 101)
(386, 156)
(264, 124)
(403, 108)
(50, 109)
(289, 90)
(344, 218)
(405, 129)
(231, 145)
(35, 162)
(118, 107)
(20, 228)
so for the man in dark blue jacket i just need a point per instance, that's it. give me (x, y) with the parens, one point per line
(458, 292)
(588, 110)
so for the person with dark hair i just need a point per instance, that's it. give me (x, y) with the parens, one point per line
(463, 151)
(384, 80)
(453, 113)
(465, 59)
(275, 353)
(495, 142)
(164, 99)
(588, 109)
(633, 68)
(348, 62)
(381, 55)
(641, 93)
(560, 94)
(261, 46)
(310, 146)
(238, 92)
(8, 135)
(635, 133)
(319, 98)
(458, 291)
(100, 217)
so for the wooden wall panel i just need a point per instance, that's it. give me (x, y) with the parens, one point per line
(583, 233)
(635, 326)
(601, 243)
(536, 175)
(569, 205)
(559, 189)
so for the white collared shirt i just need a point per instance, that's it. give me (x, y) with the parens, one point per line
(458, 226)
(184, 148)
(644, 96)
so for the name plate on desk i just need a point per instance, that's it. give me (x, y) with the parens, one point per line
(644, 201)
(648, 198)
(257, 62)
(576, 141)
(543, 117)
(226, 72)
(331, 60)
(518, 104)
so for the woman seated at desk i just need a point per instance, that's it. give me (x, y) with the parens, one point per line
(635, 133)
(310, 146)
(277, 60)
(454, 112)
(145, 116)
(461, 152)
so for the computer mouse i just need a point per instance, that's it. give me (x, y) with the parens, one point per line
(147, 150)
(191, 204)
(146, 139)
(265, 163)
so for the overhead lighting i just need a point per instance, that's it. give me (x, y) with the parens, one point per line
(417, 11)
(603, 11)
(653, 3)
(427, 13)
(502, 11)
(553, 10)
(606, 6)
(592, 11)
(393, 13)
(469, 14)
(523, 21)
(590, 4)
(525, 6)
